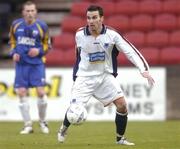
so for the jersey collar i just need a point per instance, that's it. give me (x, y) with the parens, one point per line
(86, 30)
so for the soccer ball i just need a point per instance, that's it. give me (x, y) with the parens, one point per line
(76, 114)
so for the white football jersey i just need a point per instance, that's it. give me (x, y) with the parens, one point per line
(98, 55)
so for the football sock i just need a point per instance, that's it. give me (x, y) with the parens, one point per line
(121, 122)
(66, 122)
(24, 109)
(42, 106)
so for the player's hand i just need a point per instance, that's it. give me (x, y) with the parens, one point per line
(16, 57)
(33, 52)
(150, 79)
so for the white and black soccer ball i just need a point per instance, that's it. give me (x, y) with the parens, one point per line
(76, 114)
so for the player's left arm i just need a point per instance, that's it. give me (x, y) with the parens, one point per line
(46, 42)
(150, 79)
(135, 57)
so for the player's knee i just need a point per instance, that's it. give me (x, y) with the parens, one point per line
(122, 108)
(121, 105)
(21, 92)
(41, 93)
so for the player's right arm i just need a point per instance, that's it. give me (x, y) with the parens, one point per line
(45, 41)
(12, 41)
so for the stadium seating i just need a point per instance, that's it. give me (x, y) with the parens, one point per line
(108, 6)
(150, 6)
(142, 22)
(72, 23)
(153, 26)
(5, 13)
(171, 6)
(178, 22)
(79, 8)
(151, 54)
(174, 38)
(165, 22)
(69, 57)
(60, 57)
(55, 58)
(136, 37)
(95, 1)
(64, 41)
(88, 1)
(157, 38)
(123, 60)
(170, 56)
(126, 7)
(119, 22)
(5, 8)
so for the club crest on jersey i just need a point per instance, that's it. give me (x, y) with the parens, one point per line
(35, 32)
(106, 45)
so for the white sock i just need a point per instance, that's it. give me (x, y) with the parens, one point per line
(42, 106)
(24, 109)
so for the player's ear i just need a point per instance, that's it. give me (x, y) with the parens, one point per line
(23, 13)
(102, 18)
(36, 9)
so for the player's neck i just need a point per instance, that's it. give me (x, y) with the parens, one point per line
(29, 22)
(96, 32)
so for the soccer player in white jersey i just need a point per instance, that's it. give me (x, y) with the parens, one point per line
(95, 70)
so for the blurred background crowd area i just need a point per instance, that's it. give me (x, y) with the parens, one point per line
(153, 26)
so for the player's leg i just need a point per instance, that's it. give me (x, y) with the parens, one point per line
(37, 79)
(121, 121)
(42, 109)
(65, 125)
(121, 117)
(21, 86)
(82, 90)
(41, 104)
(24, 109)
(109, 92)
(62, 132)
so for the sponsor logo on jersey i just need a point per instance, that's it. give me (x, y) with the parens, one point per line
(20, 30)
(26, 41)
(96, 57)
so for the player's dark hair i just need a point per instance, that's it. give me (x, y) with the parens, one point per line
(27, 3)
(96, 8)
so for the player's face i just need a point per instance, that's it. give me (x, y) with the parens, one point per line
(94, 21)
(29, 13)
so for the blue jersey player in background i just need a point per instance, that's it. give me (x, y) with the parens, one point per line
(29, 40)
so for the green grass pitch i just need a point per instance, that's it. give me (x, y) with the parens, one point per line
(93, 135)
